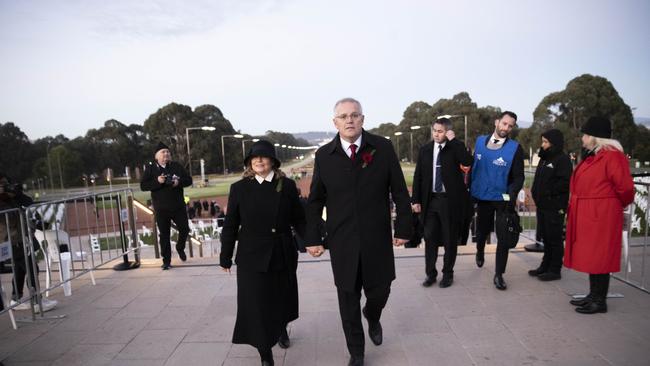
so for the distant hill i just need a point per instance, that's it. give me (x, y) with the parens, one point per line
(315, 137)
(642, 121)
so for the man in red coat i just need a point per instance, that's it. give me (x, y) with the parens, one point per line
(601, 186)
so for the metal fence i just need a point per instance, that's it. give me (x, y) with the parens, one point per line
(68, 238)
(634, 266)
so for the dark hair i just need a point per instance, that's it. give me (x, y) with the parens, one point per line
(509, 114)
(446, 122)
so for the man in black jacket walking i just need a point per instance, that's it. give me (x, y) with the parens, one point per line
(165, 179)
(354, 177)
(551, 194)
(440, 195)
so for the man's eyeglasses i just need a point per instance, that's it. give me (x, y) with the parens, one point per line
(353, 116)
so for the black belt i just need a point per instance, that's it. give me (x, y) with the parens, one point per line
(438, 195)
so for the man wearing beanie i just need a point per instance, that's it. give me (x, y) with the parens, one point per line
(497, 177)
(165, 179)
(551, 195)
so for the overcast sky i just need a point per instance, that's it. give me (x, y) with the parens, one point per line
(68, 66)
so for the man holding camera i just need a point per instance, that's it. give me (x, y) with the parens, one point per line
(165, 179)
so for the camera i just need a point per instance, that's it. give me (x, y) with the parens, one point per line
(169, 179)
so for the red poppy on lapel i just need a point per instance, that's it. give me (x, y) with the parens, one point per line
(367, 157)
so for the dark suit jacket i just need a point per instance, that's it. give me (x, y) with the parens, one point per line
(356, 194)
(165, 197)
(452, 156)
(262, 226)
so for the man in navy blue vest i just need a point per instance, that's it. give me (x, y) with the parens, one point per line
(497, 177)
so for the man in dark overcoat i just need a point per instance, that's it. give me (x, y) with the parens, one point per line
(441, 196)
(165, 179)
(355, 176)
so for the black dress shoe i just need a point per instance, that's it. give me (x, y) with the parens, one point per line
(446, 282)
(284, 341)
(355, 361)
(549, 276)
(581, 302)
(536, 272)
(267, 363)
(593, 307)
(480, 258)
(429, 281)
(375, 332)
(181, 253)
(166, 266)
(499, 283)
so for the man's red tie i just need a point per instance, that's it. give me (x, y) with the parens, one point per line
(353, 149)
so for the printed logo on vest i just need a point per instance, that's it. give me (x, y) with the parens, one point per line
(499, 162)
(478, 156)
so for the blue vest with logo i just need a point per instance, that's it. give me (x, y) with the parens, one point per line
(490, 170)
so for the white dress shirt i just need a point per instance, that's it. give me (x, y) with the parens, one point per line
(260, 179)
(346, 145)
(499, 140)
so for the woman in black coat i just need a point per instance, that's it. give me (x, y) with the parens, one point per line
(263, 207)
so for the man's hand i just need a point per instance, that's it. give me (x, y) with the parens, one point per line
(399, 242)
(416, 207)
(161, 179)
(316, 250)
(450, 135)
(175, 182)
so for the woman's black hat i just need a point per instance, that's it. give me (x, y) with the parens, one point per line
(598, 127)
(262, 148)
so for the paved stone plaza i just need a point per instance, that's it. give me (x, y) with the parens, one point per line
(185, 317)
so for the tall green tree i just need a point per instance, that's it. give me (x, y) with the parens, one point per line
(168, 125)
(16, 152)
(586, 96)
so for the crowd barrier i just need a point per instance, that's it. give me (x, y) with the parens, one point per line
(67, 238)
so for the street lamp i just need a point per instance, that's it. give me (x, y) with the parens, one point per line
(457, 115)
(243, 148)
(223, 151)
(398, 133)
(49, 164)
(187, 138)
(411, 132)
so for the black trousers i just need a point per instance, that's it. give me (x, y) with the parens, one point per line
(350, 309)
(437, 232)
(22, 266)
(598, 286)
(164, 220)
(550, 223)
(485, 211)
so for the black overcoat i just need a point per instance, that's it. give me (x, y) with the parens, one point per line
(356, 194)
(257, 223)
(453, 155)
(260, 219)
(550, 188)
(164, 196)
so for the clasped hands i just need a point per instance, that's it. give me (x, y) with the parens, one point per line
(318, 250)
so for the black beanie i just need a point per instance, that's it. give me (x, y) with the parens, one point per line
(598, 127)
(161, 146)
(555, 137)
